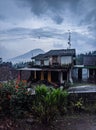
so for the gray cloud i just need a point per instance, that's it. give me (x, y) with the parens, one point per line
(14, 34)
(51, 8)
(58, 19)
(25, 33)
(15, 15)
(4, 52)
(76, 37)
(80, 11)
(2, 18)
(58, 45)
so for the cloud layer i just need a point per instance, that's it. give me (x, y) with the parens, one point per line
(29, 24)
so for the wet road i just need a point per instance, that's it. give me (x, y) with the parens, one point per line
(83, 89)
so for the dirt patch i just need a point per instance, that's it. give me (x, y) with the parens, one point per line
(77, 122)
(72, 122)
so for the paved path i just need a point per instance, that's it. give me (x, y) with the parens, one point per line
(83, 89)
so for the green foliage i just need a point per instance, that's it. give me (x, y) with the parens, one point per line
(6, 91)
(18, 102)
(77, 105)
(14, 99)
(48, 102)
(44, 105)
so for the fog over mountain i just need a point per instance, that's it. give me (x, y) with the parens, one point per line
(26, 57)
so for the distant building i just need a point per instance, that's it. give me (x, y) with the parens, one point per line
(86, 71)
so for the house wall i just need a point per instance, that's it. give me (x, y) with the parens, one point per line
(85, 74)
(59, 60)
(61, 77)
(75, 73)
(66, 60)
(37, 62)
(46, 62)
(50, 61)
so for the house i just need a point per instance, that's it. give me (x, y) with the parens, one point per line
(54, 66)
(87, 71)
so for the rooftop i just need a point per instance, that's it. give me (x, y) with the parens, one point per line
(61, 52)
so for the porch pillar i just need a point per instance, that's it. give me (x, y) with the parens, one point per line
(42, 75)
(34, 74)
(70, 76)
(87, 73)
(61, 77)
(19, 75)
(49, 76)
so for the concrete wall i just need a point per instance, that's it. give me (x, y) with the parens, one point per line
(75, 73)
(46, 62)
(85, 73)
(37, 62)
(66, 60)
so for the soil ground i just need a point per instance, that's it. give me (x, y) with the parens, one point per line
(71, 122)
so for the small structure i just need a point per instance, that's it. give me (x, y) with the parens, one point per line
(87, 71)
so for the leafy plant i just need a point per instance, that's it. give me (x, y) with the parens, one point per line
(20, 100)
(77, 105)
(15, 98)
(6, 92)
(47, 103)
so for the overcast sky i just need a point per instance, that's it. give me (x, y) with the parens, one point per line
(30, 24)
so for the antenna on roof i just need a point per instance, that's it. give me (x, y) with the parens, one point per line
(69, 39)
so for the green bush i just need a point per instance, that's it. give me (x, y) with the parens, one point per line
(48, 102)
(44, 105)
(14, 99)
(6, 91)
(21, 101)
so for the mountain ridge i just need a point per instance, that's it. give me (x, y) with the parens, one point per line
(26, 57)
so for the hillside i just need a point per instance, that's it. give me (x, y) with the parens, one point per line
(26, 57)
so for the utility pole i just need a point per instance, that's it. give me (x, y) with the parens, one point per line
(69, 39)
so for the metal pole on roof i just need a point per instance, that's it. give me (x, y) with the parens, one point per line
(69, 39)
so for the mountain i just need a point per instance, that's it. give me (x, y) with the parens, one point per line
(26, 57)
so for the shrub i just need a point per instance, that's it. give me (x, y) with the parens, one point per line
(20, 101)
(47, 103)
(15, 99)
(6, 92)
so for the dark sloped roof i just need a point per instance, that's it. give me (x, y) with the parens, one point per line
(61, 52)
(89, 60)
(40, 56)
